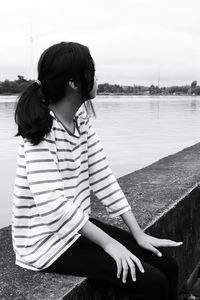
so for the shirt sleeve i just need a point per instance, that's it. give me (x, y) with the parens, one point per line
(60, 214)
(102, 180)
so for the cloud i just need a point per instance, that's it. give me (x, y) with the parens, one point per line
(130, 40)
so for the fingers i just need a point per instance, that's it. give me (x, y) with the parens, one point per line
(132, 268)
(171, 243)
(127, 263)
(157, 242)
(154, 250)
(125, 270)
(119, 267)
(138, 262)
(167, 243)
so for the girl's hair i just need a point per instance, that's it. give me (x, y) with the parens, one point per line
(57, 65)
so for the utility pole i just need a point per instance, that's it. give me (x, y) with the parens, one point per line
(158, 79)
(32, 39)
(31, 53)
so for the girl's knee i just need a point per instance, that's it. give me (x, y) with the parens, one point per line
(152, 284)
(158, 286)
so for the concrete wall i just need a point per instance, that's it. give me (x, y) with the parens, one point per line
(165, 199)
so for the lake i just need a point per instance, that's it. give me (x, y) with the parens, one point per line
(134, 130)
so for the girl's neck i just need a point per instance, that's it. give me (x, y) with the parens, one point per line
(66, 109)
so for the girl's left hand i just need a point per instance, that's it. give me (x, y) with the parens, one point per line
(148, 242)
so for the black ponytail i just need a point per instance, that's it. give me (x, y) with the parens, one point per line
(57, 65)
(32, 114)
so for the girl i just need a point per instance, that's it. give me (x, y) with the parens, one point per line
(60, 160)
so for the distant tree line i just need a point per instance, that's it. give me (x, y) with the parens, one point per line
(192, 89)
(8, 87)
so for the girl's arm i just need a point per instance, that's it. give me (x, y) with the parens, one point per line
(96, 235)
(102, 180)
(131, 222)
(123, 257)
(106, 188)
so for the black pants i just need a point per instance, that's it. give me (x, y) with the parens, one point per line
(86, 259)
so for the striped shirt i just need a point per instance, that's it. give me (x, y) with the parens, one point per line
(51, 197)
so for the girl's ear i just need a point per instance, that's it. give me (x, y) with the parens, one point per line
(73, 85)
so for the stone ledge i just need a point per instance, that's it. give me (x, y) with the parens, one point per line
(165, 200)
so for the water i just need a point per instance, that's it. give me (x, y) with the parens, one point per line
(135, 132)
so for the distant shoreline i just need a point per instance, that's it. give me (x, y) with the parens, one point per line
(121, 94)
(16, 87)
(147, 95)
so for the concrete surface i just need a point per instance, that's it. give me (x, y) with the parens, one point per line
(165, 201)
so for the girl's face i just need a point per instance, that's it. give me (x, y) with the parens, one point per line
(93, 92)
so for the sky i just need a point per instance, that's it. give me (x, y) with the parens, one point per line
(131, 41)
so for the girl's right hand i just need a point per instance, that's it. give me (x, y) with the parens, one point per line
(124, 259)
